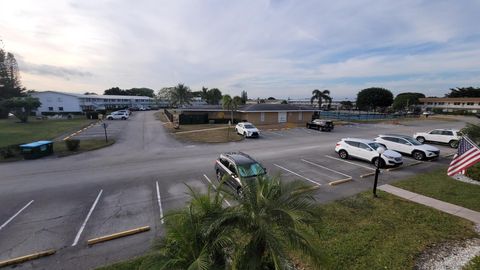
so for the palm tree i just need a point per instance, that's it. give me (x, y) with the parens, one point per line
(231, 104)
(273, 218)
(190, 242)
(321, 96)
(180, 95)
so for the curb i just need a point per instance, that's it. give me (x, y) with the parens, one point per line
(367, 175)
(27, 258)
(449, 155)
(340, 181)
(81, 130)
(109, 237)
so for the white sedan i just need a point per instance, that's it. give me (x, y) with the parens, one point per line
(247, 129)
(448, 136)
(117, 116)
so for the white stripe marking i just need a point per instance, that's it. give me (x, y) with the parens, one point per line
(75, 242)
(297, 174)
(159, 203)
(323, 167)
(211, 183)
(16, 214)
(366, 167)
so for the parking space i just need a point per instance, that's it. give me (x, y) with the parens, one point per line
(114, 128)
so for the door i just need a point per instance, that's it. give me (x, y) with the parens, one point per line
(446, 136)
(435, 136)
(404, 146)
(365, 152)
(352, 148)
(282, 117)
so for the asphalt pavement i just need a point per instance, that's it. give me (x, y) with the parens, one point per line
(60, 203)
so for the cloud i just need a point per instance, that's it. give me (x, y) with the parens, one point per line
(266, 47)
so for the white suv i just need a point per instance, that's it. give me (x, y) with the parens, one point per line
(448, 136)
(247, 129)
(117, 116)
(366, 150)
(408, 145)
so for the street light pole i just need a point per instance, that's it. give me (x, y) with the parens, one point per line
(380, 151)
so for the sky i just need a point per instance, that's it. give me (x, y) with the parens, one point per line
(280, 48)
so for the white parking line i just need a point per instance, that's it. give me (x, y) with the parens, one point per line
(159, 199)
(75, 242)
(214, 187)
(323, 167)
(301, 176)
(14, 216)
(346, 161)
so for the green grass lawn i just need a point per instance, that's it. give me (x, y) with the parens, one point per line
(438, 185)
(474, 264)
(12, 132)
(365, 233)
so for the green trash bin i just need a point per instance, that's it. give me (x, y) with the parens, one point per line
(36, 149)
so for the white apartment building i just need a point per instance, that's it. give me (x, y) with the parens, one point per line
(451, 104)
(61, 102)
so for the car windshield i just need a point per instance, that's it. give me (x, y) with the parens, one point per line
(374, 145)
(249, 170)
(249, 126)
(412, 141)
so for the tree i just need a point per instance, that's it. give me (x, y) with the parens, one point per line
(10, 84)
(404, 100)
(271, 98)
(244, 97)
(145, 92)
(229, 103)
(90, 93)
(213, 96)
(346, 105)
(320, 96)
(373, 98)
(180, 95)
(472, 131)
(463, 92)
(22, 106)
(284, 102)
(114, 91)
(274, 218)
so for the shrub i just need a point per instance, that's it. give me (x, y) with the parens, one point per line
(72, 145)
(474, 172)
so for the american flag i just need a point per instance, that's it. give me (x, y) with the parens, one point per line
(468, 155)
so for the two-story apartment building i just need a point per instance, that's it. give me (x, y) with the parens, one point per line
(62, 102)
(451, 104)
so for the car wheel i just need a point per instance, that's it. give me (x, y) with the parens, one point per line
(418, 155)
(245, 134)
(123, 118)
(343, 154)
(420, 139)
(453, 143)
(377, 160)
(109, 118)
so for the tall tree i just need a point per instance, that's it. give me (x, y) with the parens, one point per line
(405, 100)
(373, 98)
(204, 93)
(320, 96)
(180, 95)
(145, 92)
(10, 84)
(244, 97)
(22, 106)
(114, 91)
(463, 92)
(231, 104)
(214, 96)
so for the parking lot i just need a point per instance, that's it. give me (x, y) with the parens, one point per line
(63, 208)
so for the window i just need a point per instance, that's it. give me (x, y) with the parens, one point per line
(448, 133)
(456, 103)
(436, 132)
(391, 139)
(300, 116)
(470, 103)
(250, 170)
(354, 144)
(441, 103)
(59, 99)
(364, 146)
(50, 108)
(60, 109)
(429, 103)
(262, 117)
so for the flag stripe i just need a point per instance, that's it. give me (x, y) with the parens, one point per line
(471, 163)
(468, 154)
(462, 159)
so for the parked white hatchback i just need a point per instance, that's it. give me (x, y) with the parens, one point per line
(448, 136)
(247, 129)
(117, 116)
(408, 145)
(366, 150)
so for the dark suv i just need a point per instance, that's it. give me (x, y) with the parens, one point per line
(237, 166)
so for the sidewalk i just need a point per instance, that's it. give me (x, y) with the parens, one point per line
(449, 208)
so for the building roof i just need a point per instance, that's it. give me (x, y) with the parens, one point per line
(261, 107)
(94, 96)
(444, 99)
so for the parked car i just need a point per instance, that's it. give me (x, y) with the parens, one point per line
(320, 124)
(408, 145)
(448, 136)
(247, 129)
(127, 111)
(366, 150)
(235, 167)
(117, 116)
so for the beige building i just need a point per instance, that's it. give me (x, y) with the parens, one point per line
(258, 114)
(471, 105)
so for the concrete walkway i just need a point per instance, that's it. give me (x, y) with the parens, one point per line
(449, 208)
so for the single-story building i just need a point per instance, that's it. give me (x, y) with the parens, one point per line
(258, 114)
(471, 105)
(63, 102)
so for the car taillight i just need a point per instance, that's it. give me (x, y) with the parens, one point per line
(337, 144)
